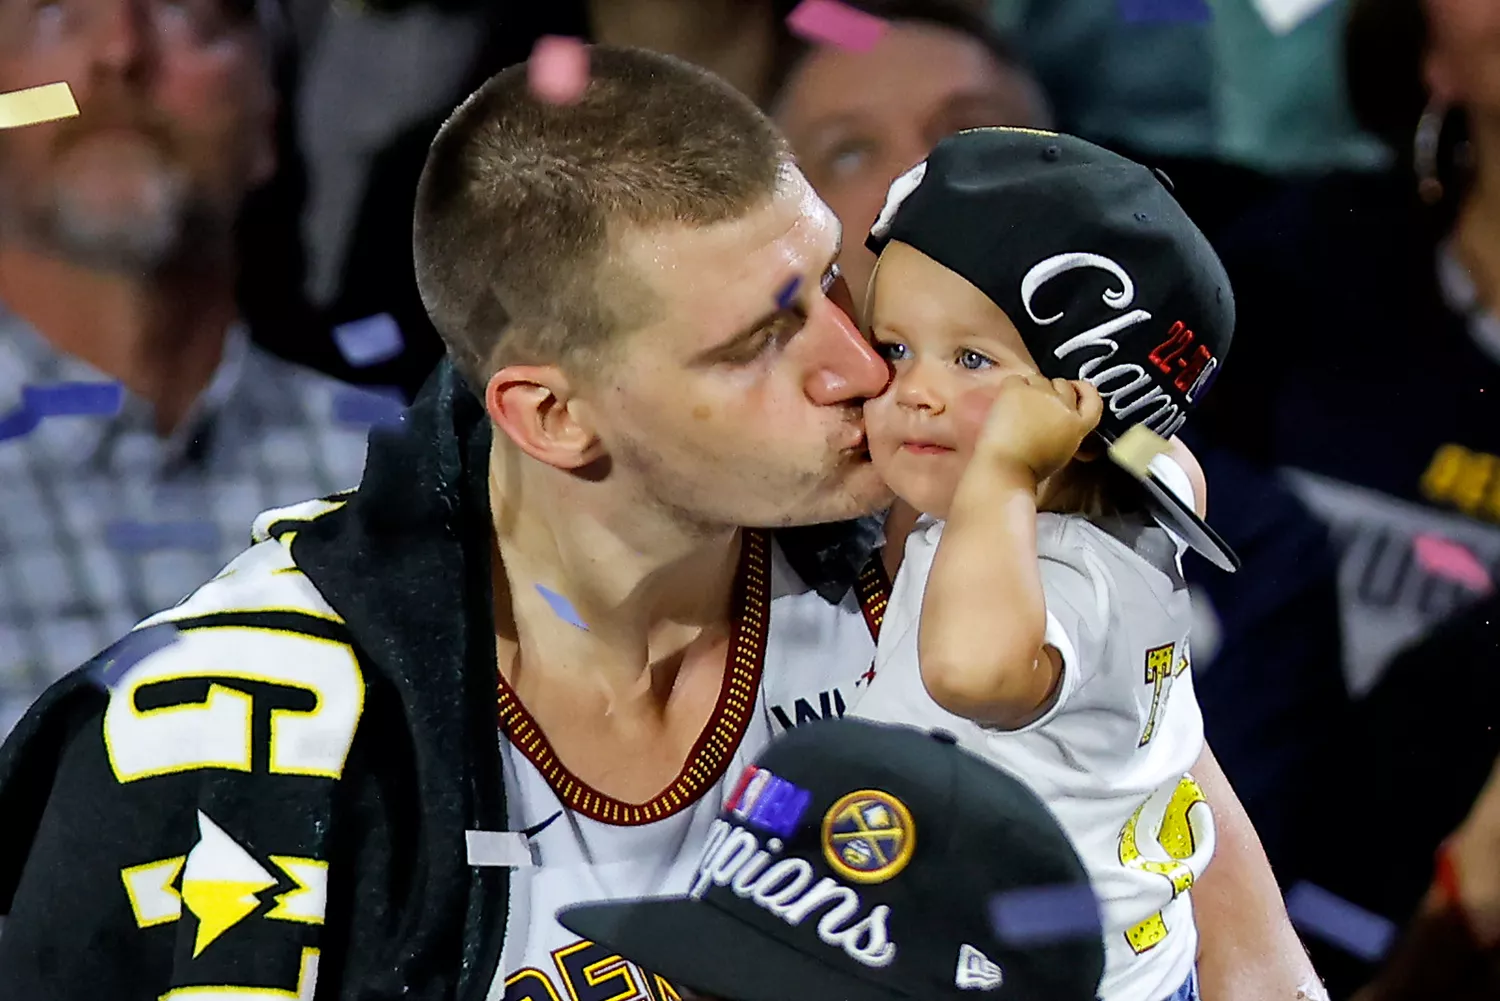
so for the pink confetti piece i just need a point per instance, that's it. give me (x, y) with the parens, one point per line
(1447, 559)
(558, 70)
(831, 23)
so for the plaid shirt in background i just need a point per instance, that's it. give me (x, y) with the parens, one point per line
(103, 523)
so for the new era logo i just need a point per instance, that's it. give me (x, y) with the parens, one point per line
(975, 971)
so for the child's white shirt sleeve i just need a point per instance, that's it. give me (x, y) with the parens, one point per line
(1077, 587)
(1076, 590)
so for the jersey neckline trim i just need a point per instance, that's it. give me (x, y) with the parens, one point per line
(714, 750)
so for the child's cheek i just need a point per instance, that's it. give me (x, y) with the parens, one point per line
(970, 411)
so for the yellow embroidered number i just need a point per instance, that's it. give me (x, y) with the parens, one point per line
(1185, 836)
(1160, 670)
(217, 732)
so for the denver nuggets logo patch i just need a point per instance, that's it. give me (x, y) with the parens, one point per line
(868, 836)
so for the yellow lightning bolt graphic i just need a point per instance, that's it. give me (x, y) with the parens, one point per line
(219, 883)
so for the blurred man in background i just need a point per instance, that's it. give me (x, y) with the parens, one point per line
(859, 119)
(117, 269)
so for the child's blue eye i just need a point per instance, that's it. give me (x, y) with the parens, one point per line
(973, 360)
(890, 351)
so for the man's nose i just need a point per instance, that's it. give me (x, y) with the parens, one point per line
(845, 368)
(121, 35)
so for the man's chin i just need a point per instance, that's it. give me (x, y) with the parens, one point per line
(859, 492)
(137, 230)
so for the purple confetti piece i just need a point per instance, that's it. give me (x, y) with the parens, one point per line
(788, 295)
(369, 341)
(562, 607)
(61, 399)
(828, 22)
(363, 407)
(18, 422)
(1332, 918)
(74, 399)
(129, 651)
(142, 536)
(1042, 915)
(1165, 11)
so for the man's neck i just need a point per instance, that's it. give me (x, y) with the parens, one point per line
(639, 591)
(162, 338)
(1478, 229)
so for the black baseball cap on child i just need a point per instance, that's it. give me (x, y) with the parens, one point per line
(862, 862)
(1097, 265)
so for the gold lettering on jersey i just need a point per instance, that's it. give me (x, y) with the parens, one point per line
(529, 984)
(1464, 479)
(216, 730)
(593, 973)
(1161, 668)
(589, 972)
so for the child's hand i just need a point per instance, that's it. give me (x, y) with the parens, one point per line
(1039, 423)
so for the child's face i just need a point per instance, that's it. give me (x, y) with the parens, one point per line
(949, 347)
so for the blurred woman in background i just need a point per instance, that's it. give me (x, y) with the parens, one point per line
(1367, 367)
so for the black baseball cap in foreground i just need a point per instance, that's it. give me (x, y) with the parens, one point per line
(861, 862)
(1097, 265)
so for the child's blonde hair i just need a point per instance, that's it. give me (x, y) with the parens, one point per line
(1092, 488)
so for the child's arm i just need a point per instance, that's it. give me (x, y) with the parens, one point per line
(981, 640)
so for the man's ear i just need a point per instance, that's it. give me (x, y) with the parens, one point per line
(1440, 80)
(535, 406)
(1092, 449)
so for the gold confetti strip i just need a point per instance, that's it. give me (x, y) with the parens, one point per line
(35, 105)
(1134, 450)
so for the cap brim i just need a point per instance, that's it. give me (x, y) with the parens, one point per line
(695, 945)
(1184, 521)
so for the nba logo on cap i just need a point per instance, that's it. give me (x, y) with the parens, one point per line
(762, 800)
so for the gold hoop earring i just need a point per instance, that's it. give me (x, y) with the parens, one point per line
(1425, 150)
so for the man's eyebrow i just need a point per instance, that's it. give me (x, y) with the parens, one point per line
(784, 301)
(727, 348)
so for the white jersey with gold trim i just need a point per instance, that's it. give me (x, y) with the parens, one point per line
(1111, 757)
(814, 656)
